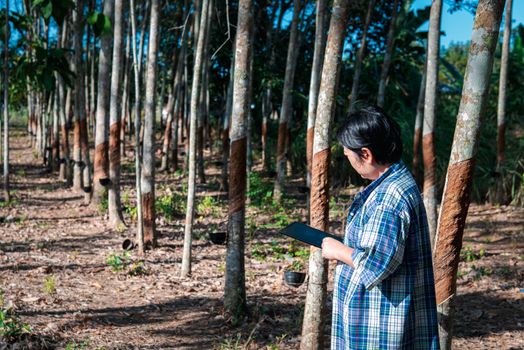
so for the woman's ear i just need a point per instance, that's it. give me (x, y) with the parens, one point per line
(366, 155)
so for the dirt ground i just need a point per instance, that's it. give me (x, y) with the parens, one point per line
(54, 271)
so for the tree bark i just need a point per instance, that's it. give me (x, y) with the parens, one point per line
(502, 196)
(7, 194)
(314, 85)
(314, 312)
(225, 126)
(195, 90)
(235, 290)
(417, 134)
(79, 96)
(430, 109)
(148, 170)
(360, 58)
(136, 107)
(387, 56)
(101, 164)
(287, 102)
(461, 167)
(116, 219)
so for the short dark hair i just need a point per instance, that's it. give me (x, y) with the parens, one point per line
(372, 128)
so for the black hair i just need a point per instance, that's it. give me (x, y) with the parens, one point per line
(372, 128)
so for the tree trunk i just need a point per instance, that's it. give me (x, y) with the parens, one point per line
(287, 102)
(235, 289)
(430, 109)
(225, 126)
(101, 175)
(314, 312)
(79, 95)
(116, 219)
(136, 107)
(501, 194)
(387, 56)
(148, 170)
(417, 134)
(7, 195)
(124, 116)
(314, 85)
(461, 167)
(195, 90)
(360, 58)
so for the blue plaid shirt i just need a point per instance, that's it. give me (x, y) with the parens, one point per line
(388, 300)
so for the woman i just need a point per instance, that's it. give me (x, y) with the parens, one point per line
(384, 293)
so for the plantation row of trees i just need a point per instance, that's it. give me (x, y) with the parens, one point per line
(265, 82)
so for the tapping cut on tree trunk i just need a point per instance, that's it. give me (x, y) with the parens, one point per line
(381, 96)
(79, 98)
(287, 102)
(315, 307)
(314, 86)
(101, 161)
(457, 190)
(148, 153)
(234, 288)
(501, 193)
(430, 109)
(116, 218)
(191, 183)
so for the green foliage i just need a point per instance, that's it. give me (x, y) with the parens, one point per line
(279, 251)
(103, 206)
(118, 262)
(137, 269)
(73, 345)
(467, 254)
(49, 285)
(58, 9)
(260, 191)
(11, 328)
(208, 206)
(100, 23)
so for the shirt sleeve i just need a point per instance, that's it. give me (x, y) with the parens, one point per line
(382, 245)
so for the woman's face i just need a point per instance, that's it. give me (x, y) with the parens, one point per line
(364, 165)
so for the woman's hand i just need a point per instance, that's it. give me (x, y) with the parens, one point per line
(336, 250)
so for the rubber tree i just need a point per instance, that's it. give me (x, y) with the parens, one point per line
(7, 36)
(136, 108)
(78, 30)
(64, 168)
(459, 177)
(315, 308)
(101, 161)
(194, 108)
(501, 194)
(430, 111)
(417, 133)
(360, 58)
(116, 219)
(148, 151)
(234, 288)
(390, 42)
(314, 84)
(287, 101)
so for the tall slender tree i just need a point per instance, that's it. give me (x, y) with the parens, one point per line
(430, 109)
(360, 58)
(390, 43)
(287, 101)
(501, 193)
(114, 205)
(148, 171)
(314, 85)
(235, 289)
(136, 108)
(417, 133)
(461, 167)
(79, 95)
(314, 312)
(7, 36)
(195, 90)
(101, 163)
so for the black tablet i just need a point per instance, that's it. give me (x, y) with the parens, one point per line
(307, 234)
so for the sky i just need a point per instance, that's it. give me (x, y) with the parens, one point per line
(458, 25)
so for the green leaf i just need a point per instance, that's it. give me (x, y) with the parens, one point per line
(47, 10)
(92, 18)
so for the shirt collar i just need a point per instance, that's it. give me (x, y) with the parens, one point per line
(364, 194)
